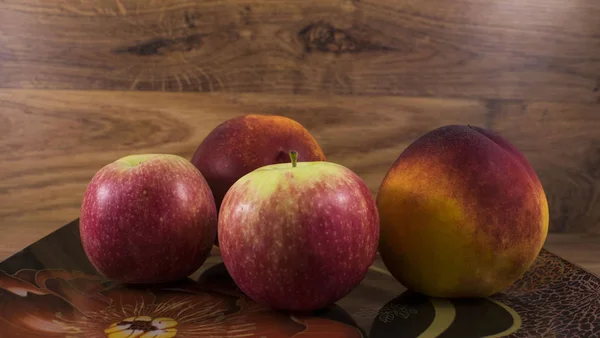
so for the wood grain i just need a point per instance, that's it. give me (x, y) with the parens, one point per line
(546, 50)
(52, 142)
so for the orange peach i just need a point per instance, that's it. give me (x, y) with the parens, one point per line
(463, 214)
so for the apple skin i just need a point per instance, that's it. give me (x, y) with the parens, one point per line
(244, 143)
(148, 219)
(463, 214)
(298, 238)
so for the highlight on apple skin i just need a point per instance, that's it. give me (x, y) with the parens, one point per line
(148, 219)
(463, 214)
(298, 237)
(244, 143)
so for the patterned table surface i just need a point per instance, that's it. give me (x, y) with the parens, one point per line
(51, 290)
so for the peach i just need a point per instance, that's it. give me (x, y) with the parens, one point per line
(245, 143)
(463, 214)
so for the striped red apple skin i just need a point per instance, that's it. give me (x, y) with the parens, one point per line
(148, 219)
(298, 238)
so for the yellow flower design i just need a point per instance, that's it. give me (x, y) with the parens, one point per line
(143, 327)
(60, 303)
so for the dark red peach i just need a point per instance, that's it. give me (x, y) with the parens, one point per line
(463, 214)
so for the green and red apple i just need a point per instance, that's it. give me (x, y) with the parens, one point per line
(298, 237)
(463, 214)
(148, 219)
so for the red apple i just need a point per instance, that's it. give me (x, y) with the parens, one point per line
(242, 144)
(298, 237)
(148, 219)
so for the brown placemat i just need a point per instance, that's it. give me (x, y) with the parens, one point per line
(50, 289)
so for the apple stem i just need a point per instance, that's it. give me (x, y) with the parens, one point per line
(294, 158)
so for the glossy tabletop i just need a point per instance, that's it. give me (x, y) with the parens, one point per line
(50, 289)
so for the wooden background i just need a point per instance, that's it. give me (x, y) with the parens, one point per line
(85, 82)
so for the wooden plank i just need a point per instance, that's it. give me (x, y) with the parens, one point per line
(52, 142)
(494, 49)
